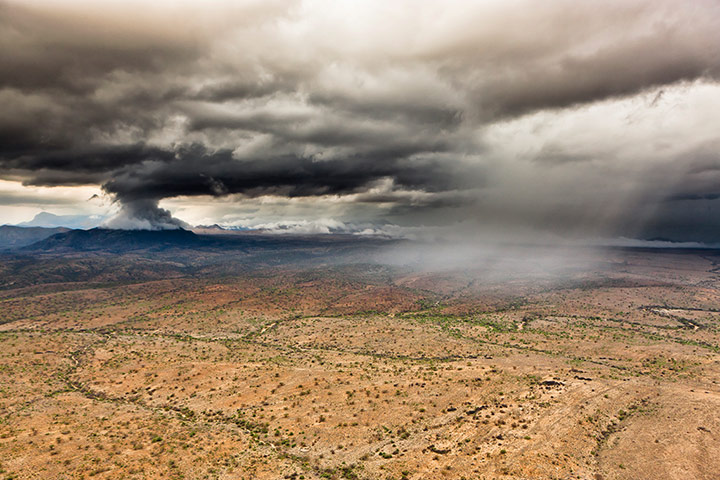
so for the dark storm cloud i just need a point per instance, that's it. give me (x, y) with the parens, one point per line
(386, 105)
(93, 161)
(620, 70)
(195, 171)
(72, 51)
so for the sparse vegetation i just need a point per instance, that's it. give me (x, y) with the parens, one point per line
(359, 373)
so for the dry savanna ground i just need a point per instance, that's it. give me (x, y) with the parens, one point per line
(367, 372)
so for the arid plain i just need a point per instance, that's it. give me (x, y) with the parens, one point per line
(360, 370)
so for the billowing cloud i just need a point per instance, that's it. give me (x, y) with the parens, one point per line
(562, 116)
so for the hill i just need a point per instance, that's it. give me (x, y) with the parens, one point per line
(116, 241)
(14, 237)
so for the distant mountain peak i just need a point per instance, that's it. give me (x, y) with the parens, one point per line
(50, 220)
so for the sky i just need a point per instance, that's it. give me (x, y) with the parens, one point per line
(553, 119)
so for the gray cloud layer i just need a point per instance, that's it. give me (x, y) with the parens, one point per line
(528, 114)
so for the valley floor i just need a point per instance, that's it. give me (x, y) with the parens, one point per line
(367, 372)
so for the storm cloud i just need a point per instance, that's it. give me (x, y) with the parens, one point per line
(574, 118)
